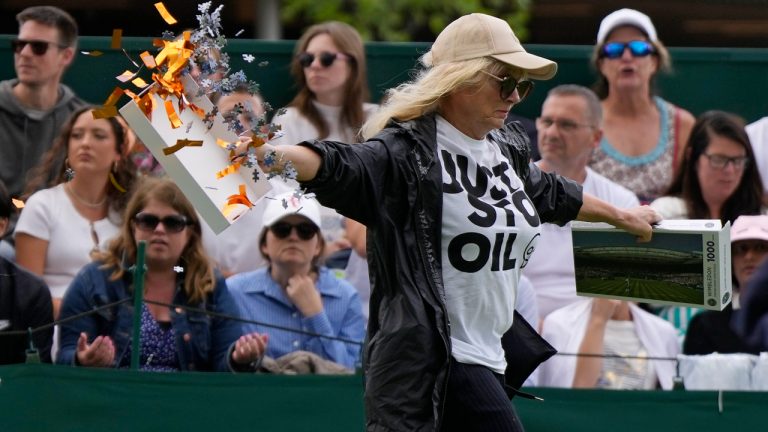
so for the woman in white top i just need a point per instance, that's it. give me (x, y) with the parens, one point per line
(330, 72)
(619, 329)
(62, 225)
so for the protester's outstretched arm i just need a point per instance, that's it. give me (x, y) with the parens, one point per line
(304, 160)
(635, 220)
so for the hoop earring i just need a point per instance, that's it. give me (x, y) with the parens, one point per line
(69, 173)
(113, 180)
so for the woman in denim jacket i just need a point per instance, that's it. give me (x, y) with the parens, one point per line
(178, 337)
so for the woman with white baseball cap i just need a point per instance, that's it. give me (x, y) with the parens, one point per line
(294, 291)
(644, 136)
(453, 211)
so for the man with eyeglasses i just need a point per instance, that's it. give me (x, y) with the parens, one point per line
(569, 128)
(35, 104)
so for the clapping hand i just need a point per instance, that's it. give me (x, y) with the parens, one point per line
(249, 348)
(99, 353)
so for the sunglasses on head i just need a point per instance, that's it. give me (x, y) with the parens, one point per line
(638, 48)
(508, 85)
(172, 223)
(326, 58)
(305, 230)
(38, 47)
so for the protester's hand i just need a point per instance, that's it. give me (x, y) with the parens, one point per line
(638, 221)
(249, 348)
(303, 293)
(99, 353)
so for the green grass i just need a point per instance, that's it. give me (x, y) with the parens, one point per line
(645, 289)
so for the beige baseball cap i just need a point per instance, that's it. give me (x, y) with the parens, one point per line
(478, 35)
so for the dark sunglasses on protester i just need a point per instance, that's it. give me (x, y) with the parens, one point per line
(38, 47)
(326, 58)
(172, 223)
(638, 48)
(305, 230)
(508, 85)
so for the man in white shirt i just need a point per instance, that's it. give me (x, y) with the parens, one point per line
(569, 128)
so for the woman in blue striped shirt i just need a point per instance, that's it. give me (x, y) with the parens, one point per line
(315, 311)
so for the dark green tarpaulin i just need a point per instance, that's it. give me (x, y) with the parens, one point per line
(60, 398)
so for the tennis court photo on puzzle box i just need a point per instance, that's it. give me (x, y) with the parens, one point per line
(681, 268)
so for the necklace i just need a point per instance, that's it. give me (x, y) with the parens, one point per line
(82, 201)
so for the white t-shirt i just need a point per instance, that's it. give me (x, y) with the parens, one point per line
(50, 215)
(490, 228)
(297, 128)
(551, 268)
(620, 373)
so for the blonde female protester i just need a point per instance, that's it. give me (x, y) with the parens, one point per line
(453, 210)
(644, 135)
(60, 227)
(178, 273)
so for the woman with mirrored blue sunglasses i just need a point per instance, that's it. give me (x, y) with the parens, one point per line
(637, 48)
(644, 135)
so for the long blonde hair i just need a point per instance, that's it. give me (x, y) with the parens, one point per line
(198, 271)
(424, 93)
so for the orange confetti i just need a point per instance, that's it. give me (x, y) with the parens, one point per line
(147, 105)
(117, 39)
(148, 59)
(172, 116)
(238, 199)
(114, 97)
(197, 110)
(19, 204)
(105, 112)
(230, 169)
(126, 76)
(140, 83)
(180, 144)
(164, 13)
(94, 53)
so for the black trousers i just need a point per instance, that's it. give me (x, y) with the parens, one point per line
(476, 401)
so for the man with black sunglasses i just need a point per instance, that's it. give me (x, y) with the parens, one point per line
(35, 104)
